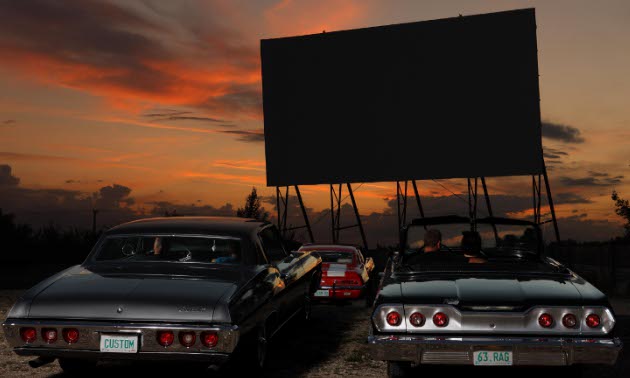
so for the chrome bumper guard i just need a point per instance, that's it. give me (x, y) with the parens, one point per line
(531, 351)
(88, 345)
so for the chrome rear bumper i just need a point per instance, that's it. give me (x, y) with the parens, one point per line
(526, 351)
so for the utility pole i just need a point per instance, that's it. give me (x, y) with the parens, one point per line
(94, 212)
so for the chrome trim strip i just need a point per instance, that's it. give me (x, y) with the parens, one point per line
(90, 332)
(496, 322)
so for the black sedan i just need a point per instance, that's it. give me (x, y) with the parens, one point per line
(179, 288)
(482, 293)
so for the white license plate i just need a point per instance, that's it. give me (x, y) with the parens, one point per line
(119, 344)
(322, 293)
(492, 358)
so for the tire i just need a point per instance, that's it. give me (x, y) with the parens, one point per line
(396, 369)
(307, 311)
(261, 349)
(75, 367)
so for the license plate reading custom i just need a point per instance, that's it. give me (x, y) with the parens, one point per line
(119, 344)
(322, 293)
(492, 358)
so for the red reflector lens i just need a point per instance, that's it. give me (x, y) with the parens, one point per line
(71, 335)
(187, 338)
(165, 338)
(49, 335)
(28, 334)
(393, 318)
(593, 321)
(209, 339)
(416, 319)
(545, 320)
(569, 321)
(440, 319)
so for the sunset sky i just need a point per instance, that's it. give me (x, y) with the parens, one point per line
(134, 107)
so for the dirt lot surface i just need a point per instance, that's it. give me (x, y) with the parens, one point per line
(333, 344)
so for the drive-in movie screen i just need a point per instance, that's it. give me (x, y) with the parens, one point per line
(297, 188)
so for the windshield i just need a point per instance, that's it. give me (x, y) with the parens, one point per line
(509, 239)
(336, 257)
(456, 245)
(160, 248)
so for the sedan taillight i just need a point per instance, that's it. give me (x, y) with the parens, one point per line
(70, 335)
(187, 338)
(209, 339)
(416, 319)
(569, 321)
(394, 319)
(165, 338)
(49, 335)
(440, 319)
(28, 334)
(593, 321)
(545, 320)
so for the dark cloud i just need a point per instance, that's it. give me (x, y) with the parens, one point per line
(552, 153)
(71, 181)
(599, 180)
(181, 116)
(9, 122)
(161, 208)
(67, 208)
(564, 133)
(253, 136)
(569, 197)
(111, 197)
(6, 178)
(117, 50)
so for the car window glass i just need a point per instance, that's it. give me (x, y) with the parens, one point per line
(135, 248)
(272, 243)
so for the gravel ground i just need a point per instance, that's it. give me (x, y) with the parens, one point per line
(333, 343)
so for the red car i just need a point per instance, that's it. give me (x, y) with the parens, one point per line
(345, 272)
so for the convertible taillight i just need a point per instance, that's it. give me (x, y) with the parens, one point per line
(440, 319)
(28, 334)
(187, 338)
(545, 320)
(49, 335)
(165, 338)
(416, 319)
(593, 320)
(393, 318)
(569, 321)
(70, 335)
(209, 339)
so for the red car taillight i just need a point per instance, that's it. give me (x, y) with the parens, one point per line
(70, 335)
(440, 319)
(187, 338)
(545, 320)
(165, 338)
(393, 318)
(28, 334)
(569, 321)
(49, 335)
(416, 319)
(593, 321)
(209, 339)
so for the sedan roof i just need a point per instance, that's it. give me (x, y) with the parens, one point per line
(189, 225)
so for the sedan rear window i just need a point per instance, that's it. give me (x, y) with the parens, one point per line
(336, 257)
(199, 249)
